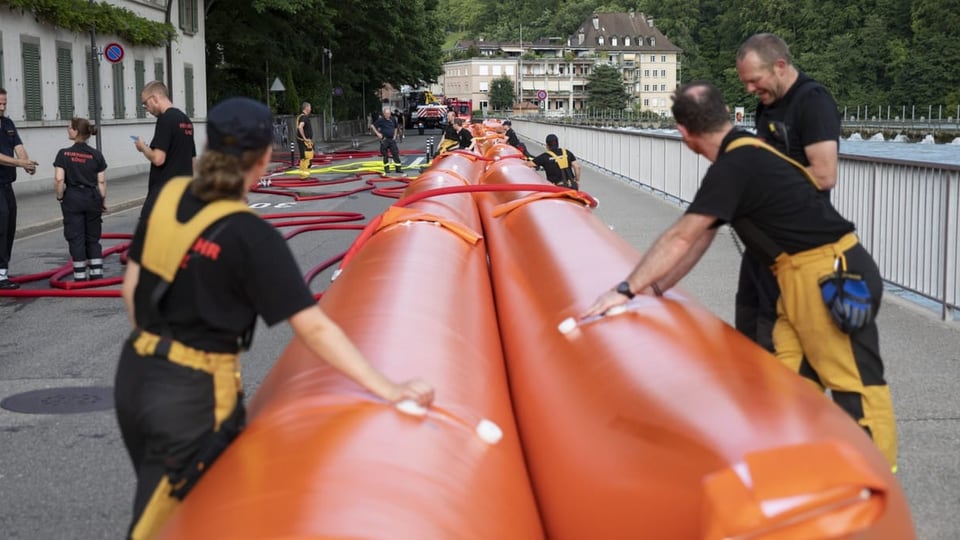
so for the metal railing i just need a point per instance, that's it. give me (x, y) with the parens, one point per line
(907, 213)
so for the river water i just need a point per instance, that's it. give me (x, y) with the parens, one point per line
(948, 154)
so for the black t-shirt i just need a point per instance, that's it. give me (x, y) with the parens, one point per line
(756, 184)
(213, 300)
(387, 128)
(465, 137)
(550, 166)
(9, 140)
(807, 113)
(174, 135)
(80, 164)
(512, 138)
(450, 132)
(307, 127)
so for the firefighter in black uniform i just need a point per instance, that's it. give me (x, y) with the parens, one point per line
(514, 141)
(385, 128)
(450, 139)
(559, 164)
(201, 268)
(80, 182)
(772, 202)
(12, 155)
(305, 139)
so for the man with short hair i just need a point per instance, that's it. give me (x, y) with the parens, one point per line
(514, 141)
(772, 202)
(559, 164)
(172, 151)
(12, 156)
(305, 139)
(797, 116)
(385, 129)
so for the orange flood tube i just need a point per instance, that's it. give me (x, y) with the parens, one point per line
(661, 422)
(323, 458)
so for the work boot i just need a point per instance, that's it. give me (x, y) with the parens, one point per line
(96, 269)
(7, 285)
(80, 271)
(398, 169)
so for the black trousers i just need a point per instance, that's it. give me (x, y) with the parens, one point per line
(387, 147)
(83, 222)
(756, 301)
(8, 223)
(166, 414)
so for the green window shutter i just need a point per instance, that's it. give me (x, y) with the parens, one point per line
(139, 72)
(182, 12)
(193, 16)
(32, 97)
(158, 71)
(119, 107)
(188, 90)
(65, 82)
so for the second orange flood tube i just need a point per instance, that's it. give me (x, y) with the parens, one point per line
(661, 422)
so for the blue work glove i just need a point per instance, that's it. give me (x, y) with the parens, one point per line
(848, 299)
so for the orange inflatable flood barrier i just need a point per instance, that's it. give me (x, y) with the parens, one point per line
(661, 422)
(322, 458)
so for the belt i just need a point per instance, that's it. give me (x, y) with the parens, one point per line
(148, 344)
(80, 186)
(831, 251)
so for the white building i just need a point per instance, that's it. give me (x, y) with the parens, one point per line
(47, 74)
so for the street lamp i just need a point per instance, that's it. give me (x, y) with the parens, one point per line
(329, 54)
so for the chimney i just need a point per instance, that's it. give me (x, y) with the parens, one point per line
(596, 21)
(650, 22)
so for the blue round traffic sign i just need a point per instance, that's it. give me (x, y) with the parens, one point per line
(113, 52)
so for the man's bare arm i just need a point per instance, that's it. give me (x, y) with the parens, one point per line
(823, 163)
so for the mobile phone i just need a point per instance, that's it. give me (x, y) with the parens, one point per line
(134, 137)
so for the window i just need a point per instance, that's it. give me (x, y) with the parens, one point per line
(188, 90)
(497, 71)
(646, 88)
(613, 41)
(508, 70)
(663, 88)
(646, 102)
(600, 40)
(663, 73)
(646, 73)
(652, 41)
(653, 58)
(32, 99)
(119, 107)
(188, 16)
(65, 81)
(626, 41)
(484, 86)
(663, 59)
(157, 71)
(92, 86)
(484, 70)
(139, 72)
(639, 41)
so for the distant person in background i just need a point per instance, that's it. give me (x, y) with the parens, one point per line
(172, 151)
(799, 117)
(305, 139)
(401, 131)
(514, 141)
(559, 164)
(463, 135)
(12, 156)
(80, 183)
(385, 128)
(450, 139)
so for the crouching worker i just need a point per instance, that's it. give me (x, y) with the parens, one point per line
(830, 285)
(201, 268)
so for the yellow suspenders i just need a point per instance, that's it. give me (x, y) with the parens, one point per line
(753, 141)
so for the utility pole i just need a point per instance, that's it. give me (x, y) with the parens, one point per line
(95, 68)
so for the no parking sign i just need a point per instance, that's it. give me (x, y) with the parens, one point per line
(113, 52)
(542, 95)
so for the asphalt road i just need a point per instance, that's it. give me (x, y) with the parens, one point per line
(66, 476)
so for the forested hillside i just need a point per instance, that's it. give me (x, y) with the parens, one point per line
(868, 52)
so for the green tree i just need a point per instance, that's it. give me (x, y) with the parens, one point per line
(605, 89)
(501, 93)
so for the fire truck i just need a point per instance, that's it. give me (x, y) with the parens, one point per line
(429, 116)
(462, 108)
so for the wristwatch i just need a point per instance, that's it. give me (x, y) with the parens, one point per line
(624, 288)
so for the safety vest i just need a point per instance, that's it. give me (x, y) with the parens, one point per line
(563, 162)
(168, 240)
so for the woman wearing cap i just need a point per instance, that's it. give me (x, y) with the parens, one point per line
(201, 268)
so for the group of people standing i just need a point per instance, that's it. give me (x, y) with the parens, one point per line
(79, 178)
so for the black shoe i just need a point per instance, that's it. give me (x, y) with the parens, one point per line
(398, 169)
(6, 284)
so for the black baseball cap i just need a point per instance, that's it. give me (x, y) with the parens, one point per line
(552, 141)
(238, 124)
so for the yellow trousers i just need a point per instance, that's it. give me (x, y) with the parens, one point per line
(849, 365)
